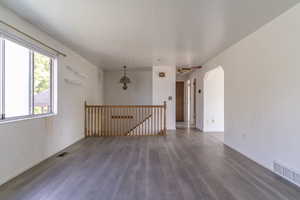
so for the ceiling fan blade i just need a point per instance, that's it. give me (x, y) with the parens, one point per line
(186, 69)
(196, 67)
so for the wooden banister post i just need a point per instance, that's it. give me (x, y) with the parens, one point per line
(85, 120)
(165, 118)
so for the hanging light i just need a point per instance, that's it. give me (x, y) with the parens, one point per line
(125, 80)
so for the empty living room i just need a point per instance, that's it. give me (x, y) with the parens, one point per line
(149, 100)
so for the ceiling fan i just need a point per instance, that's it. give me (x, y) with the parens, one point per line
(187, 68)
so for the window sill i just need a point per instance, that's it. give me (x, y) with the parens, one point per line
(12, 120)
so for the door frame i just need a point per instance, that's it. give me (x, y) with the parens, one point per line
(195, 100)
(183, 100)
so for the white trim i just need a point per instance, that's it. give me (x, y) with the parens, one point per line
(2, 78)
(28, 117)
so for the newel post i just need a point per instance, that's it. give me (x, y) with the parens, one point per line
(165, 118)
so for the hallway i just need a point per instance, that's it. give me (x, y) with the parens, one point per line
(186, 164)
(185, 125)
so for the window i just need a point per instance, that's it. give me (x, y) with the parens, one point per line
(42, 84)
(26, 80)
(16, 84)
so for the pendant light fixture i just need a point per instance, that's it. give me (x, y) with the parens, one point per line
(125, 79)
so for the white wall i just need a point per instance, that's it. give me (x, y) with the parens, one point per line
(163, 88)
(23, 144)
(214, 100)
(262, 95)
(139, 91)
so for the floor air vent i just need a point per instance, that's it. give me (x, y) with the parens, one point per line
(287, 173)
(62, 154)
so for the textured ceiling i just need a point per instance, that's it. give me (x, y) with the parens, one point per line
(111, 33)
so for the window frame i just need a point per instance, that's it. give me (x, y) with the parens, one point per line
(53, 79)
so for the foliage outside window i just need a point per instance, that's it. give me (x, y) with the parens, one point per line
(42, 82)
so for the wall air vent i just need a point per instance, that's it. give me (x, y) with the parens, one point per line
(287, 173)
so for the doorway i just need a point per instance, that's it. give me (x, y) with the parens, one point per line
(179, 101)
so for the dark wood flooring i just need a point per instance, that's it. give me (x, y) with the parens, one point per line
(185, 165)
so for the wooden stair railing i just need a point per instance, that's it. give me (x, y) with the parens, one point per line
(139, 124)
(121, 120)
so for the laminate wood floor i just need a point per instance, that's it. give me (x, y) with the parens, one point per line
(185, 165)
